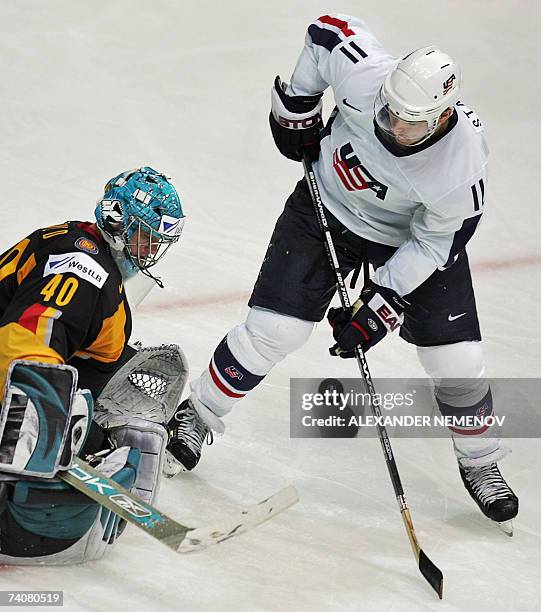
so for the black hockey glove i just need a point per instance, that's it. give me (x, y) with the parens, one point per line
(377, 311)
(295, 122)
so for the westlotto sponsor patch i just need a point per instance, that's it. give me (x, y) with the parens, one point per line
(80, 264)
(87, 245)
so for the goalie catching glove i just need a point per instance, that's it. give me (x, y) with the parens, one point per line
(377, 311)
(295, 122)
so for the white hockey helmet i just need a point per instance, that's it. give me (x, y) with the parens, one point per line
(412, 98)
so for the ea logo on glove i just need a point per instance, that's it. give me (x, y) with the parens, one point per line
(388, 317)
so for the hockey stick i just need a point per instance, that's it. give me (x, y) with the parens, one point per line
(166, 530)
(431, 573)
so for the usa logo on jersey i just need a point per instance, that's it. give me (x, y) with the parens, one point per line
(352, 173)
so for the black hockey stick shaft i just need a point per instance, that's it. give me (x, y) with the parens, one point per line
(432, 574)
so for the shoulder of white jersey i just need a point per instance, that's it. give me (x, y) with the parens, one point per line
(464, 200)
(331, 31)
(469, 117)
(450, 176)
(356, 63)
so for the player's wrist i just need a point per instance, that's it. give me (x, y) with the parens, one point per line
(295, 122)
(296, 104)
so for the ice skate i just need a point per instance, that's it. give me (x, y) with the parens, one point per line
(492, 494)
(187, 433)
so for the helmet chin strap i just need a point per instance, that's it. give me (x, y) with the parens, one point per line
(156, 279)
(113, 241)
(123, 259)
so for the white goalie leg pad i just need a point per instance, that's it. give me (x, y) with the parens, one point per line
(103, 533)
(254, 348)
(458, 372)
(151, 439)
(91, 547)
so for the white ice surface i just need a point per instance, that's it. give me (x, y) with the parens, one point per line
(88, 89)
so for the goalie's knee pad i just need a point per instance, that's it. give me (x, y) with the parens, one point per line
(246, 355)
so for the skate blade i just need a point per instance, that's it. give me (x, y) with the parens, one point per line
(172, 467)
(506, 527)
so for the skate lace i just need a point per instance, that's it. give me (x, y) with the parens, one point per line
(191, 430)
(488, 483)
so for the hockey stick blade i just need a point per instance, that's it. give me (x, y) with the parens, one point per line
(201, 537)
(109, 494)
(432, 574)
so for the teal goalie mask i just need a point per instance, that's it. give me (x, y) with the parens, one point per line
(140, 215)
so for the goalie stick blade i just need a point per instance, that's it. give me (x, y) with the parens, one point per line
(109, 494)
(433, 574)
(201, 537)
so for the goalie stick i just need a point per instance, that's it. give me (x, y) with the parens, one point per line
(166, 530)
(431, 572)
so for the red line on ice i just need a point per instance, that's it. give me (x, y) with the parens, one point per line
(502, 264)
(242, 296)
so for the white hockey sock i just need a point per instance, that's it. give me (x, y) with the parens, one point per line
(245, 356)
(458, 371)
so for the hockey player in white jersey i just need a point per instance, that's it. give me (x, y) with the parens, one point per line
(402, 170)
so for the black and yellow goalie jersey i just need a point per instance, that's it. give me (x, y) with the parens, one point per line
(62, 300)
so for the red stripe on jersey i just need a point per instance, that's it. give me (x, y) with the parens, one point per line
(221, 386)
(337, 23)
(344, 174)
(90, 228)
(30, 317)
(469, 432)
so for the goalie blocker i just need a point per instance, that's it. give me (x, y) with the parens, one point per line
(44, 420)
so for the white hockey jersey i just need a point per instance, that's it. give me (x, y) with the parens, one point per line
(427, 200)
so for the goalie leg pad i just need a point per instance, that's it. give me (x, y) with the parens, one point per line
(50, 523)
(150, 439)
(43, 420)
